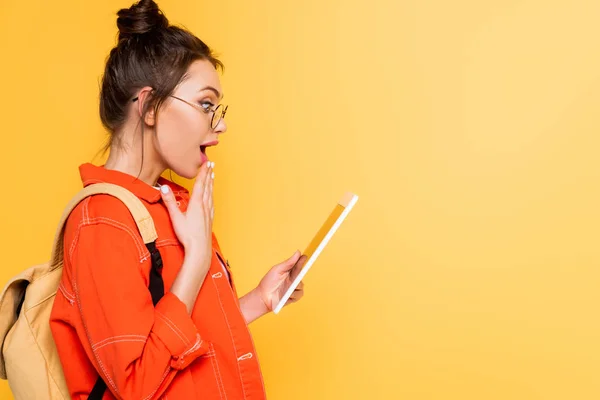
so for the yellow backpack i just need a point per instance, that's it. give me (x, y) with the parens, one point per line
(28, 356)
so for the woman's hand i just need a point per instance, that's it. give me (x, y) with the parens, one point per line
(277, 281)
(194, 230)
(194, 227)
(265, 297)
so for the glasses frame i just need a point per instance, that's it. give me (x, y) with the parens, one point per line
(213, 123)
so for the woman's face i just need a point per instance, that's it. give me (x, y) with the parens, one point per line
(183, 125)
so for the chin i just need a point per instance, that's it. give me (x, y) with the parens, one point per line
(188, 172)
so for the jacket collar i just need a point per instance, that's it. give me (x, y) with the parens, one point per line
(98, 174)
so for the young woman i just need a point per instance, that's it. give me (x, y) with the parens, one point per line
(160, 101)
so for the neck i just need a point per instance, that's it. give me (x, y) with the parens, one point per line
(126, 157)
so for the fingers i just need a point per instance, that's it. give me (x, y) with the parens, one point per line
(297, 294)
(301, 261)
(211, 204)
(288, 264)
(201, 178)
(207, 195)
(297, 268)
(169, 200)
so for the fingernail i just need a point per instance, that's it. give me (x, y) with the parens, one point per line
(164, 189)
(213, 164)
(212, 175)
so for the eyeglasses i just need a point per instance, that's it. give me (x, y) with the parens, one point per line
(218, 113)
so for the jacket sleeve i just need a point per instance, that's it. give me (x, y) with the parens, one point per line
(137, 348)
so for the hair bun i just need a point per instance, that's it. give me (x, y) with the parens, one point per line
(142, 17)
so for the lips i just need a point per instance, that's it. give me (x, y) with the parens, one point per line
(209, 144)
(203, 148)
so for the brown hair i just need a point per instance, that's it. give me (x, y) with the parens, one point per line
(149, 52)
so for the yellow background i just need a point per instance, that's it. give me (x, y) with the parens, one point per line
(469, 268)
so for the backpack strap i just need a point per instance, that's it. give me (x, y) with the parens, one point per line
(146, 227)
(140, 214)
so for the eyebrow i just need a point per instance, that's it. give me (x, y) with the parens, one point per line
(219, 96)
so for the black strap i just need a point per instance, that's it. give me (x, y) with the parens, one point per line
(156, 285)
(157, 290)
(98, 390)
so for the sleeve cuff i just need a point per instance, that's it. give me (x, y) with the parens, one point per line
(175, 328)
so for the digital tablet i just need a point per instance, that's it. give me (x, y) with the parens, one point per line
(319, 241)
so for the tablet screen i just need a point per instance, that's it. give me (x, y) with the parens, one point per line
(316, 245)
(327, 225)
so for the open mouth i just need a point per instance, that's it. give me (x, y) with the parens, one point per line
(203, 150)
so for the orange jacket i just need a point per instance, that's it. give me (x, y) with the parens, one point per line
(103, 318)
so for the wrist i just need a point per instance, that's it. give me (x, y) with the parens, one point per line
(195, 256)
(261, 303)
(253, 306)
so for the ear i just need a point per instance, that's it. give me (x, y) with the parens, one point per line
(145, 96)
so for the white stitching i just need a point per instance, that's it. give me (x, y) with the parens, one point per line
(171, 325)
(121, 225)
(86, 209)
(94, 350)
(143, 252)
(218, 377)
(65, 295)
(246, 356)
(219, 372)
(195, 347)
(262, 381)
(101, 364)
(65, 292)
(231, 336)
(175, 326)
(75, 240)
(83, 211)
(120, 340)
(183, 339)
(110, 381)
(159, 383)
(167, 242)
(119, 337)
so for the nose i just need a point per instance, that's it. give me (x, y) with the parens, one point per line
(221, 127)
